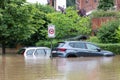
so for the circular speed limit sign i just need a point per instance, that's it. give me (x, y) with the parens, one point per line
(51, 31)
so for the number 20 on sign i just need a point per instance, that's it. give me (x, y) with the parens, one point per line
(51, 31)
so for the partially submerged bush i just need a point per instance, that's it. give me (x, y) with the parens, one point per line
(115, 48)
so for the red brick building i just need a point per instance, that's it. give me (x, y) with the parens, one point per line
(87, 5)
(90, 5)
(117, 3)
(50, 2)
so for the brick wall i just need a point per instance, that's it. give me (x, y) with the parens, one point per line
(88, 5)
(97, 22)
(117, 2)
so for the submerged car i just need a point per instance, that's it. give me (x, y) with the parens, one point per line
(35, 51)
(78, 49)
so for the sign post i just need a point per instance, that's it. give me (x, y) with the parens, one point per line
(51, 31)
(51, 34)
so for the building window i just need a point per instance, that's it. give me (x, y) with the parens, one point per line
(71, 3)
(87, 1)
(95, 0)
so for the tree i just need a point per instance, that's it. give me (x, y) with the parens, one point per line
(105, 4)
(40, 20)
(69, 24)
(44, 8)
(15, 21)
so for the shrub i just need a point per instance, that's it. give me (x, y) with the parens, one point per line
(93, 39)
(118, 34)
(69, 24)
(107, 32)
(101, 13)
(106, 4)
(47, 43)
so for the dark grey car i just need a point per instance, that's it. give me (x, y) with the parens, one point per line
(79, 49)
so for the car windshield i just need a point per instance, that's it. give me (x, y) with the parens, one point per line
(30, 52)
(91, 46)
(21, 51)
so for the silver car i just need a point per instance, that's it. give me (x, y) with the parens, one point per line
(35, 51)
(78, 49)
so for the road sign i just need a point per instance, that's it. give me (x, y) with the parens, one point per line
(51, 31)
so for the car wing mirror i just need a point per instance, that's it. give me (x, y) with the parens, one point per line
(98, 49)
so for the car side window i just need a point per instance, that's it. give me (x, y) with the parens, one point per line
(91, 46)
(77, 45)
(71, 44)
(30, 52)
(48, 51)
(40, 52)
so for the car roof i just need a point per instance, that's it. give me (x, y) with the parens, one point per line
(75, 41)
(35, 48)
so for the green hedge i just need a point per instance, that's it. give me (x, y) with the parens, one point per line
(47, 43)
(101, 13)
(115, 48)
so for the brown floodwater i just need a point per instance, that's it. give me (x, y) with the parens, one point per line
(16, 67)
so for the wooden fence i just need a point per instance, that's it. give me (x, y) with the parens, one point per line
(9, 50)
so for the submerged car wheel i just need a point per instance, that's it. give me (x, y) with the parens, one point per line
(71, 55)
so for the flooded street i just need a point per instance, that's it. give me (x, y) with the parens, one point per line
(16, 67)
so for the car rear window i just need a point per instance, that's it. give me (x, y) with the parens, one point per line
(60, 44)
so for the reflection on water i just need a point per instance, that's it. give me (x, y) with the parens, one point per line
(14, 67)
